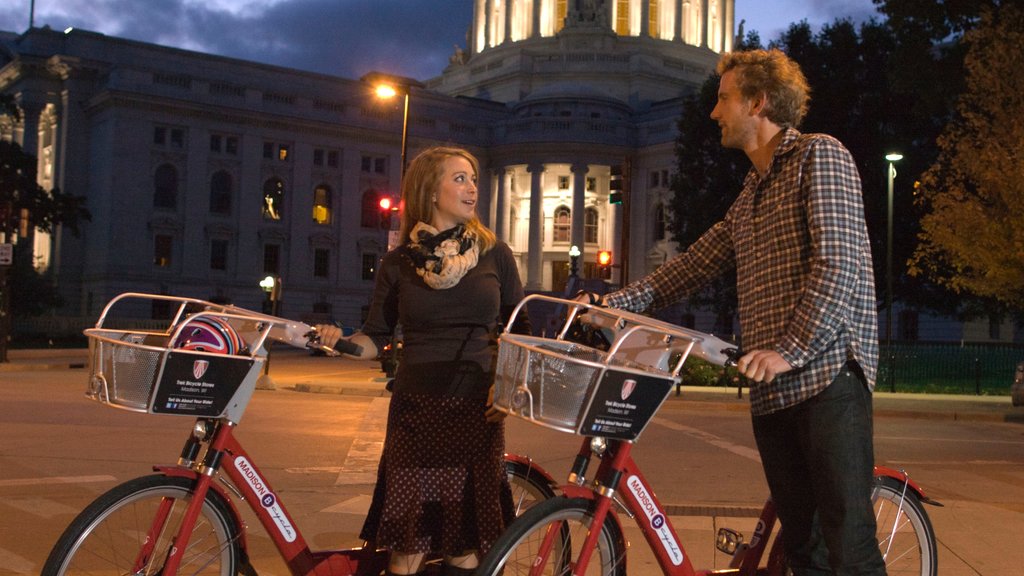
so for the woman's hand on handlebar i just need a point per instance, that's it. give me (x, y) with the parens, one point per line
(358, 346)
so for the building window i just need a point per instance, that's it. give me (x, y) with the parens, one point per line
(165, 187)
(333, 158)
(374, 164)
(369, 216)
(561, 224)
(591, 183)
(273, 199)
(321, 262)
(223, 144)
(169, 137)
(563, 182)
(163, 244)
(590, 226)
(369, 265)
(218, 254)
(659, 222)
(272, 259)
(220, 192)
(318, 157)
(276, 151)
(322, 204)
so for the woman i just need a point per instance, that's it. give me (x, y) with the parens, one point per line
(441, 489)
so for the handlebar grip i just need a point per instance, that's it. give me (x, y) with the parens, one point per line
(348, 347)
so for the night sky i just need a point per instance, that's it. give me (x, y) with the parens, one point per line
(339, 37)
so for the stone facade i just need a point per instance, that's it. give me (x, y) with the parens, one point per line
(204, 174)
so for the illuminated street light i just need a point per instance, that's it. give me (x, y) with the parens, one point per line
(387, 86)
(892, 158)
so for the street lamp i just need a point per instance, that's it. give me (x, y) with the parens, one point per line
(272, 286)
(388, 86)
(892, 158)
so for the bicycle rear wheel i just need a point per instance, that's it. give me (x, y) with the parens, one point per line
(108, 536)
(905, 534)
(561, 524)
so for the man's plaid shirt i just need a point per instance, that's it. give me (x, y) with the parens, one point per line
(798, 241)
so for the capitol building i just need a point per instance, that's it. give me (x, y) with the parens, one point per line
(204, 174)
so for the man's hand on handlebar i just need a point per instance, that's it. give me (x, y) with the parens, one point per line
(592, 298)
(762, 365)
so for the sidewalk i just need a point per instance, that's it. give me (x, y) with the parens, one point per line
(297, 370)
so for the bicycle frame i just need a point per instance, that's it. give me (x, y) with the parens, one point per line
(247, 482)
(620, 481)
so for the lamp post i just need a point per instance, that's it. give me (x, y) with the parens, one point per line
(892, 158)
(387, 86)
(271, 285)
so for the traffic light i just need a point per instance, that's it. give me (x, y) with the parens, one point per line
(387, 206)
(604, 263)
(616, 185)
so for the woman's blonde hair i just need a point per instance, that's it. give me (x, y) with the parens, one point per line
(773, 73)
(420, 184)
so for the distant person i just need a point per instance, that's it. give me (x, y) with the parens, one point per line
(441, 488)
(797, 239)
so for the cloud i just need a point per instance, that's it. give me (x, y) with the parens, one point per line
(339, 37)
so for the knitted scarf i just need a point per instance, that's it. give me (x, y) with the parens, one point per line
(442, 258)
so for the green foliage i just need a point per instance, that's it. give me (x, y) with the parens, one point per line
(697, 372)
(19, 191)
(973, 195)
(32, 293)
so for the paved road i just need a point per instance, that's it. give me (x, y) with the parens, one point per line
(61, 451)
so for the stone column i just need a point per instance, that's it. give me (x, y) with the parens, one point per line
(501, 194)
(677, 35)
(704, 20)
(508, 21)
(579, 196)
(538, 5)
(535, 262)
(645, 18)
(488, 11)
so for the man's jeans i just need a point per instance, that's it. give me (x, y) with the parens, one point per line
(818, 458)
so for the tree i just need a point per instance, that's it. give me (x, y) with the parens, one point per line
(973, 195)
(25, 206)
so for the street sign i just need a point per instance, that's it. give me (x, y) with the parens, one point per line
(6, 254)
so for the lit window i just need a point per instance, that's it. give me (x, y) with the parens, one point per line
(561, 224)
(162, 246)
(282, 152)
(563, 182)
(590, 226)
(322, 204)
(273, 199)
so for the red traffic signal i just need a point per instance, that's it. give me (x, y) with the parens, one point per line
(604, 258)
(385, 203)
(387, 207)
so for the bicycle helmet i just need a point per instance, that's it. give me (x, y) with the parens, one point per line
(209, 334)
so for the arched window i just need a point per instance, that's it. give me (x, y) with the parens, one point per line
(561, 224)
(322, 204)
(220, 192)
(590, 226)
(659, 222)
(273, 199)
(369, 209)
(165, 187)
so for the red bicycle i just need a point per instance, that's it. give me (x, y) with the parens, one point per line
(609, 396)
(184, 519)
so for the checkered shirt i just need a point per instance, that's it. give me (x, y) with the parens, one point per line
(799, 243)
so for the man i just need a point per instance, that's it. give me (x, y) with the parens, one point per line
(797, 238)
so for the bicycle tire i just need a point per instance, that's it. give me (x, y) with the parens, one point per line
(515, 551)
(529, 486)
(905, 534)
(109, 533)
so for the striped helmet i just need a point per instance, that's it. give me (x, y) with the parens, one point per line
(209, 334)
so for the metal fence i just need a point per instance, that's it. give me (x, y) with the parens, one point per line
(958, 368)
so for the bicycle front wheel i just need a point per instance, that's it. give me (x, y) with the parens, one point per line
(528, 485)
(130, 528)
(547, 539)
(905, 535)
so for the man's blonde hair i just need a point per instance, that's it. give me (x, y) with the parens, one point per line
(774, 74)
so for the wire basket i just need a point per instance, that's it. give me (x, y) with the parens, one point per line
(142, 371)
(574, 388)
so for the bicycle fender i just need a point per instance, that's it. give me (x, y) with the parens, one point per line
(533, 466)
(902, 477)
(180, 472)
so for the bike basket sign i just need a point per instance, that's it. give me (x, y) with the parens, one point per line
(623, 404)
(198, 385)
